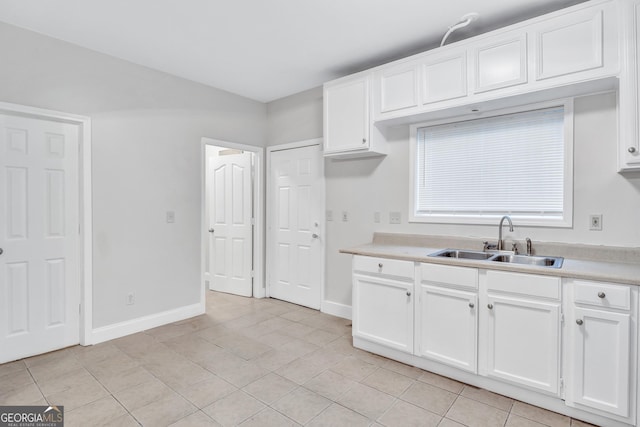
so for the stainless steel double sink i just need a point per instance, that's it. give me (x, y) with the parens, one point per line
(505, 257)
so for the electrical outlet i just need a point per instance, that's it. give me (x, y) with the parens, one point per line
(394, 217)
(131, 299)
(376, 217)
(595, 222)
(345, 216)
(329, 215)
(171, 217)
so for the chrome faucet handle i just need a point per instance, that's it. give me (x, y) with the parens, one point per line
(514, 248)
(488, 246)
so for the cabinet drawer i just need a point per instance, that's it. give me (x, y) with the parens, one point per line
(524, 284)
(603, 295)
(458, 276)
(390, 267)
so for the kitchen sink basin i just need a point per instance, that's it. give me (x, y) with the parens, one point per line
(544, 261)
(511, 258)
(459, 253)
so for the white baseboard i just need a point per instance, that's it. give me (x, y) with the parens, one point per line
(117, 330)
(336, 309)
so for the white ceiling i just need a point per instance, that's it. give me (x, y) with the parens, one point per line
(263, 49)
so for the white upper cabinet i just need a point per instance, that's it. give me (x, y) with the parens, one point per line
(629, 113)
(574, 48)
(397, 87)
(500, 63)
(444, 76)
(348, 130)
(574, 43)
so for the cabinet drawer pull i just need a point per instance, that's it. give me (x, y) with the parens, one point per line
(408, 293)
(490, 306)
(579, 321)
(380, 265)
(632, 150)
(364, 140)
(601, 295)
(471, 305)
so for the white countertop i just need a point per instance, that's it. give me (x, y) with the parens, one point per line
(627, 273)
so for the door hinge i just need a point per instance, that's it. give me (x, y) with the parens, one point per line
(253, 274)
(253, 221)
(561, 385)
(561, 318)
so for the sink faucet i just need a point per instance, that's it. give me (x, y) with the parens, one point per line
(500, 242)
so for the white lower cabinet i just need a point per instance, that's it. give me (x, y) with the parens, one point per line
(566, 343)
(520, 337)
(383, 302)
(447, 316)
(600, 348)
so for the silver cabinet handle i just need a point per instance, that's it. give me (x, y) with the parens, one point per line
(490, 306)
(631, 150)
(1, 251)
(471, 305)
(315, 236)
(408, 293)
(601, 295)
(380, 265)
(579, 321)
(211, 230)
(364, 140)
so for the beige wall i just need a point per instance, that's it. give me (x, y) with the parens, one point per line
(146, 130)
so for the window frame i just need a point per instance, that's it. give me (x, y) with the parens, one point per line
(491, 219)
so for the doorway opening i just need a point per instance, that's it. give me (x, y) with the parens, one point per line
(232, 218)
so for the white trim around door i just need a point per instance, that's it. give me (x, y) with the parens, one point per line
(258, 212)
(85, 215)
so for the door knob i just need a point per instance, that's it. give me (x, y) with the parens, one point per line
(315, 236)
(408, 293)
(471, 305)
(579, 322)
(601, 295)
(1, 251)
(211, 230)
(490, 306)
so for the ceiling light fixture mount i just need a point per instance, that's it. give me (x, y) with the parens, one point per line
(463, 22)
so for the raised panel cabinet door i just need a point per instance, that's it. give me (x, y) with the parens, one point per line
(501, 63)
(383, 311)
(397, 87)
(447, 326)
(601, 365)
(346, 115)
(523, 342)
(444, 77)
(570, 44)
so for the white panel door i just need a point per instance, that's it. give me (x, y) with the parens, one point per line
(39, 237)
(297, 204)
(230, 227)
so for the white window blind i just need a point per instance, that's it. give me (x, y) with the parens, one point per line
(487, 167)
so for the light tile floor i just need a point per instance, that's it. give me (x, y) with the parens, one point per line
(252, 362)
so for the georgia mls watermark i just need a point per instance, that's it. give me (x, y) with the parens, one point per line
(31, 416)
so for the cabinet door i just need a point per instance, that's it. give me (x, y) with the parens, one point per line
(570, 44)
(523, 339)
(346, 115)
(383, 311)
(601, 367)
(447, 326)
(444, 76)
(500, 63)
(397, 88)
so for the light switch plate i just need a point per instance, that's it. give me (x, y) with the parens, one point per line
(595, 222)
(394, 217)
